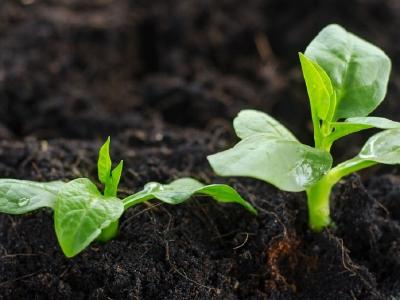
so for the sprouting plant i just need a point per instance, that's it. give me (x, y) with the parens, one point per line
(82, 214)
(346, 79)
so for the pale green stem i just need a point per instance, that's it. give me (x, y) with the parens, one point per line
(111, 231)
(137, 198)
(350, 166)
(318, 195)
(318, 203)
(317, 130)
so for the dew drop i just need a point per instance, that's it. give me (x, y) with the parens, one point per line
(23, 202)
(152, 186)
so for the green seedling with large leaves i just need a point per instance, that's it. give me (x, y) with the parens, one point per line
(83, 214)
(346, 79)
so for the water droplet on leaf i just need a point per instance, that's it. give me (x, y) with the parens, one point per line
(23, 202)
(152, 186)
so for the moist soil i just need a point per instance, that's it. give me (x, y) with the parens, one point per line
(165, 79)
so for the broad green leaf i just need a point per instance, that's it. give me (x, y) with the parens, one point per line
(359, 71)
(383, 147)
(319, 88)
(250, 122)
(289, 165)
(113, 183)
(352, 125)
(80, 214)
(104, 162)
(21, 196)
(183, 189)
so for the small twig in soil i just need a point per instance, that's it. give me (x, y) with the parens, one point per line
(23, 254)
(264, 48)
(352, 295)
(38, 172)
(77, 162)
(170, 218)
(244, 242)
(225, 235)
(382, 206)
(65, 272)
(133, 173)
(347, 263)
(18, 278)
(276, 217)
(345, 257)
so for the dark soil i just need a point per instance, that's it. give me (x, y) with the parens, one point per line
(165, 78)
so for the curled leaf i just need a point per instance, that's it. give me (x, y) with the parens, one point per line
(319, 88)
(104, 162)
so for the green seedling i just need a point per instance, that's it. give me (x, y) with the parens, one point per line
(346, 79)
(83, 214)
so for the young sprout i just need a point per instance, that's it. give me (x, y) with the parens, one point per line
(83, 214)
(346, 79)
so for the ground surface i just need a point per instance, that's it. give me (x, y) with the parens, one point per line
(165, 78)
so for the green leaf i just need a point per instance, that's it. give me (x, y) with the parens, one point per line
(226, 194)
(383, 147)
(376, 122)
(113, 183)
(319, 88)
(21, 196)
(250, 122)
(183, 189)
(359, 71)
(80, 214)
(352, 125)
(104, 162)
(289, 165)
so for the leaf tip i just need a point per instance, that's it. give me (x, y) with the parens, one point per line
(212, 160)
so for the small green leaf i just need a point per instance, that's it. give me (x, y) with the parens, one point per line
(225, 193)
(359, 71)
(319, 88)
(80, 214)
(113, 183)
(182, 189)
(21, 196)
(383, 147)
(104, 162)
(353, 125)
(289, 165)
(376, 122)
(250, 122)
(177, 191)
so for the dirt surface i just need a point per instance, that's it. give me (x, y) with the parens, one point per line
(164, 79)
